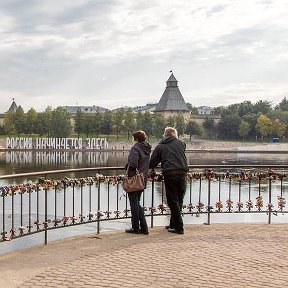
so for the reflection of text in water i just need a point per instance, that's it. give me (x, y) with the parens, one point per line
(56, 157)
(56, 143)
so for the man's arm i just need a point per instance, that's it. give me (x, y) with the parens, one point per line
(155, 158)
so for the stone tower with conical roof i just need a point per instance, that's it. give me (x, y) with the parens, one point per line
(172, 102)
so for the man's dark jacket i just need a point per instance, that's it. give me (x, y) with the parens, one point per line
(171, 153)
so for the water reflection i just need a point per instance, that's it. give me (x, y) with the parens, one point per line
(31, 161)
(56, 157)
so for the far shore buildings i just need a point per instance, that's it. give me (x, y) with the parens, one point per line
(86, 109)
(205, 110)
(171, 103)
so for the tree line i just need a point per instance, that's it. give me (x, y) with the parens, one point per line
(238, 121)
(249, 121)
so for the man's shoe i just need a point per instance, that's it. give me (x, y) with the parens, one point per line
(133, 231)
(144, 231)
(167, 227)
(173, 230)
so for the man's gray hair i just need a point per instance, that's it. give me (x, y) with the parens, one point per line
(170, 132)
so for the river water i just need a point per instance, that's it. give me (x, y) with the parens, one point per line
(13, 162)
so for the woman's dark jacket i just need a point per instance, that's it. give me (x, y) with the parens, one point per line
(171, 153)
(139, 157)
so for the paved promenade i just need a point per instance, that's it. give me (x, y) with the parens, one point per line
(219, 255)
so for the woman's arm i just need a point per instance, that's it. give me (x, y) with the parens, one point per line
(133, 158)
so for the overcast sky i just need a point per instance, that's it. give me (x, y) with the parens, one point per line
(119, 53)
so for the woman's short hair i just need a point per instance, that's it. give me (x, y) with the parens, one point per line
(170, 132)
(139, 136)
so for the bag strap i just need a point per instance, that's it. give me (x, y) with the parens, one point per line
(127, 168)
(128, 165)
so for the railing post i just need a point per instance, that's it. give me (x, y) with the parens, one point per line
(46, 214)
(152, 203)
(269, 200)
(29, 219)
(37, 208)
(98, 209)
(13, 219)
(81, 203)
(108, 200)
(55, 207)
(209, 202)
(4, 232)
(73, 203)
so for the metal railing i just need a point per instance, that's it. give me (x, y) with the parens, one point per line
(43, 202)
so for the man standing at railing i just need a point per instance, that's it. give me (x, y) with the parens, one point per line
(171, 153)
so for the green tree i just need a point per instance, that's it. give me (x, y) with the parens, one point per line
(88, 124)
(31, 121)
(60, 123)
(118, 119)
(107, 123)
(2, 131)
(159, 125)
(244, 129)
(20, 121)
(48, 121)
(170, 121)
(97, 123)
(139, 121)
(251, 119)
(40, 125)
(147, 123)
(229, 124)
(278, 128)
(129, 122)
(283, 105)
(193, 128)
(262, 107)
(192, 109)
(209, 127)
(79, 122)
(264, 126)
(245, 108)
(218, 110)
(233, 109)
(8, 123)
(180, 124)
(279, 114)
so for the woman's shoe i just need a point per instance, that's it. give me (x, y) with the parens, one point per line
(144, 231)
(133, 231)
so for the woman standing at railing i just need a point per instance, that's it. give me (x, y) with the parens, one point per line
(138, 159)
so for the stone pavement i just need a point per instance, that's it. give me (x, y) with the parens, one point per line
(218, 255)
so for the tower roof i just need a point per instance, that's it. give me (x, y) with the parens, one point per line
(13, 107)
(172, 99)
